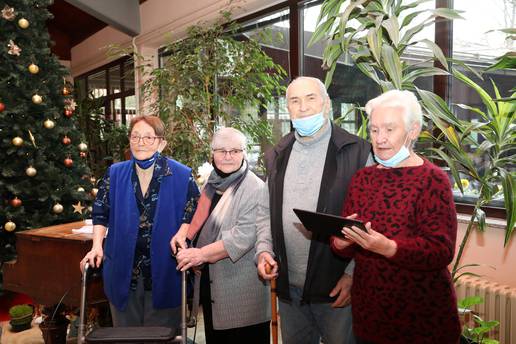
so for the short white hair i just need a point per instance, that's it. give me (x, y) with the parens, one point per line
(405, 100)
(225, 134)
(319, 83)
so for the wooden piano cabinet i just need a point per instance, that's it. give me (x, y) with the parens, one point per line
(48, 266)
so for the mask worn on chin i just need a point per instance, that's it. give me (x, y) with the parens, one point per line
(145, 164)
(396, 159)
(308, 126)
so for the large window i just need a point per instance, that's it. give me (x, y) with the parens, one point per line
(114, 85)
(285, 29)
(477, 42)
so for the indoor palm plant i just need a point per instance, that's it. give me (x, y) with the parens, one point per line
(373, 35)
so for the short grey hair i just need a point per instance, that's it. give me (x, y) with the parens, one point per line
(323, 91)
(405, 100)
(228, 133)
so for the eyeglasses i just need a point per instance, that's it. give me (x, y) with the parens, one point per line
(147, 140)
(231, 152)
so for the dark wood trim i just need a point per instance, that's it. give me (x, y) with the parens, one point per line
(265, 12)
(463, 208)
(294, 43)
(105, 66)
(444, 39)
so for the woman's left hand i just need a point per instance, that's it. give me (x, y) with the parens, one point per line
(371, 240)
(190, 257)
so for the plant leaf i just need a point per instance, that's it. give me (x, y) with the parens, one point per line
(393, 29)
(392, 65)
(436, 51)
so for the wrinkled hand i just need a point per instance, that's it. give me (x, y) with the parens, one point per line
(93, 258)
(343, 290)
(341, 243)
(179, 240)
(371, 240)
(190, 257)
(263, 259)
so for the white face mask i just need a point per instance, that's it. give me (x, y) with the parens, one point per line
(397, 158)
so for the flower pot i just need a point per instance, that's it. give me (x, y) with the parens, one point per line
(54, 332)
(21, 323)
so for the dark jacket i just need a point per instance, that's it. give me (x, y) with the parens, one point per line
(346, 154)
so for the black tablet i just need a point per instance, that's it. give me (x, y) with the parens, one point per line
(326, 224)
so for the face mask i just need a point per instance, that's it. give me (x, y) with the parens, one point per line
(308, 126)
(145, 164)
(396, 159)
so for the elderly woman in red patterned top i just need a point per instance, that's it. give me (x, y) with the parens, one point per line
(402, 290)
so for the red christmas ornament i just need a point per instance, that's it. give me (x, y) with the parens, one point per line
(66, 140)
(82, 154)
(15, 202)
(2, 107)
(68, 113)
(68, 162)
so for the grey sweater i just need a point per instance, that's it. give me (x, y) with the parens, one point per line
(301, 190)
(239, 297)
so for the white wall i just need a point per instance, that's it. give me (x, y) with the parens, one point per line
(161, 21)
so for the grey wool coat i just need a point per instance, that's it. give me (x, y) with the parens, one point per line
(239, 297)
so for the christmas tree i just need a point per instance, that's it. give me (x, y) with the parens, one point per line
(44, 178)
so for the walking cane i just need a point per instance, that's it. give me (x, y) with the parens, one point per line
(274, 307)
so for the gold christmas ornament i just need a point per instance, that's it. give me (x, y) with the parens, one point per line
(23, 23)
(94, 192)
(66, 91)
(83, 147)
(49, 124)
(17, 141)
(57, 208)
(13, 48)
(31, 171)
(78, 208)
(34, 69)
(10, 226)
(80, 189)
(37, 99)
(8, 13)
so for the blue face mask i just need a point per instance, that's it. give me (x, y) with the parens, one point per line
(396, 159)
(145, 164)
(307, 126)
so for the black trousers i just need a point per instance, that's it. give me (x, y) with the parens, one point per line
(253, 334)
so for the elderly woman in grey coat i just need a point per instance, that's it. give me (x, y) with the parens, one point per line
(235, 301)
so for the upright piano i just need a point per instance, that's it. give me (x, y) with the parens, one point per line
(47, 266)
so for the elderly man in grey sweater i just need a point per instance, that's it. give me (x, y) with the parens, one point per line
(308, 169)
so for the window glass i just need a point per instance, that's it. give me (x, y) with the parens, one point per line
(477, 42)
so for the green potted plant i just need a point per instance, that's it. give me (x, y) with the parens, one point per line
(476, 334)
(21, 317)
(213, 76)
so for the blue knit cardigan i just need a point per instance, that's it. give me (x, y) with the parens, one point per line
(119, 246)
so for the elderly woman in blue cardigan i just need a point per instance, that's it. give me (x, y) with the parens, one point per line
(235, 301)
(143, 202)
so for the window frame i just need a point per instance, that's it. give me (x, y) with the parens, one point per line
(111, 97)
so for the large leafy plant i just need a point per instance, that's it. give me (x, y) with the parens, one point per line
(492, 139)
(211, 78)
(373, 35)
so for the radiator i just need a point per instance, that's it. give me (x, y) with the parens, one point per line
(499, 304)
